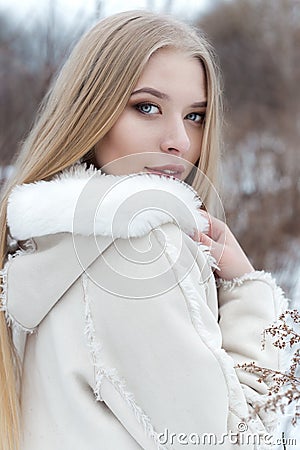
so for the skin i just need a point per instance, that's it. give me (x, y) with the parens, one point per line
(158, 131)
(230, 258)
(163, 124)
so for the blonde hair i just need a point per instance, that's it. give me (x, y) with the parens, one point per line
(83, 104)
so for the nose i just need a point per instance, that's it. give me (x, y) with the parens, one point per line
(175, 139)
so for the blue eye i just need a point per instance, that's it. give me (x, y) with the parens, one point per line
(196, 117)
(147, 108)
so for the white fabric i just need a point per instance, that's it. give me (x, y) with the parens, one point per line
(131, 340)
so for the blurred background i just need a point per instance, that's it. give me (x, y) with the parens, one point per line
(258, 46)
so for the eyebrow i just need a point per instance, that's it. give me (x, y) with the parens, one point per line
(163, 96)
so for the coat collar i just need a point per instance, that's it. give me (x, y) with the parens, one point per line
(88, 202)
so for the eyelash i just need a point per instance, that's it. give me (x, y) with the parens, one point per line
(139, 107)
(201, 117)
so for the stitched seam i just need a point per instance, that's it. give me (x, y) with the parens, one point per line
(16, 326)
(236, 406)
(111, 374)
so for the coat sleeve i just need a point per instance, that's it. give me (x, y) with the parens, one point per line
(247, 306)
(153, 369)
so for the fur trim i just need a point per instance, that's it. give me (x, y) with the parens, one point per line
(88, 202)
(28, 247)
(258, 275)
(207, 253)
(111, 374)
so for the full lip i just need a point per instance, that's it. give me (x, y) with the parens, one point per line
(178, 170)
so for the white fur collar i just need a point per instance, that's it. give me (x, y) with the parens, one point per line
(86, 201)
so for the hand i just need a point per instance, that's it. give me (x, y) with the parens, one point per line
(224, 247)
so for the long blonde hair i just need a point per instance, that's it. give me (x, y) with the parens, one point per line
(83, 104)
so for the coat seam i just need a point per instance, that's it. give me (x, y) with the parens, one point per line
(111, 374)
(235, 406)
(13, 323)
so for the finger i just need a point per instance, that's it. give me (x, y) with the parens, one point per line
(206, 240)
(216, 228)
(208, 217)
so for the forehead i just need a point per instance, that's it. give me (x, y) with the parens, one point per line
(170, 70)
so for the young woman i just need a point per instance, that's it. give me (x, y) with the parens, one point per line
(114, 334)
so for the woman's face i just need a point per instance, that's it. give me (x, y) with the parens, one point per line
(161, 127)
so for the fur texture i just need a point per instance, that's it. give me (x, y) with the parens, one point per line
(88, 202)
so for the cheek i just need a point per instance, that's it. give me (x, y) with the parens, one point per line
(114, 143)
(124, 139)
(125, 136)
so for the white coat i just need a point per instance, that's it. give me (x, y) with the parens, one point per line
(125, 340)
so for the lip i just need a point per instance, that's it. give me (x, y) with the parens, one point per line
(178, 170)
